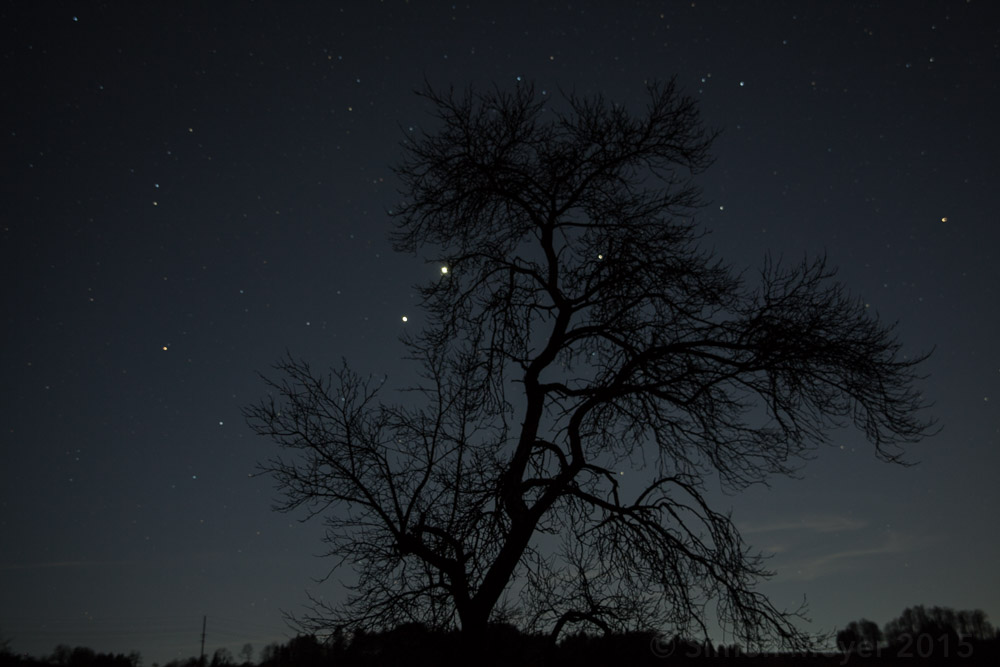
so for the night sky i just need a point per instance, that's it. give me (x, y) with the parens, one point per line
(189, 190)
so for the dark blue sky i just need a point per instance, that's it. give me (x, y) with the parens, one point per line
(191, 189)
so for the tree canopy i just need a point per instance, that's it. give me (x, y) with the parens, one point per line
(580, 330)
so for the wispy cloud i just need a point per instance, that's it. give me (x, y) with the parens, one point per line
(821, 564)
(830, 523)
(819, 545)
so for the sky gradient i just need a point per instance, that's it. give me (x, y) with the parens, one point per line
(189, 190)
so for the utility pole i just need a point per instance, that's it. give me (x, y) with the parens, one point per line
(204, 621)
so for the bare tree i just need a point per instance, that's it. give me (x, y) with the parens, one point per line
(862, 637)
(577, 331)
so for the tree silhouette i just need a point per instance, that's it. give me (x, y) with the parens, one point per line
(940, 631)
(862, 636)
(974, 624)
(577, 333)
(222, 658)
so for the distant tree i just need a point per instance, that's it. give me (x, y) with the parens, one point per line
(862, 636)
(61, 654)
(338, 643)
(81, 656)
(848, 639)
(222, 658)
(587, 371)
(402, 645)
(269, 654)
(870, 633)
(7, 657)
(938, 630)
(904, 625)
(300, 651)
(247, 653)
(188, 662)
(974, 624)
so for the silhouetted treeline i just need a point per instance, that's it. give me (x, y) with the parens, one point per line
(64, 656)
(935, 633)
(938, 635)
